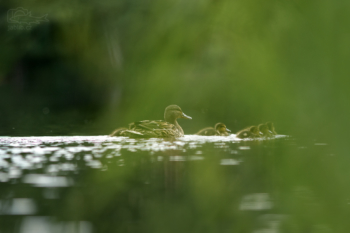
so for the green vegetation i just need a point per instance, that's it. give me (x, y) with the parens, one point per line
(99, 65)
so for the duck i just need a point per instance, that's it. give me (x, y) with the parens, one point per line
(167, 128)
(218, 130)
(249, 132)
(118, 131)
(271, 127)
(264, 130)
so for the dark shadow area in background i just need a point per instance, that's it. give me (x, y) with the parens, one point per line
(44, 92)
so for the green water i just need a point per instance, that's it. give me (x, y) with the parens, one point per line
(195, 184)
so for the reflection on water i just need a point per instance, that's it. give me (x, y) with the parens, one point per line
(17, 153)
(17, 206)
(256, 201)
(38, 180)
(106, 184)
(45, 224)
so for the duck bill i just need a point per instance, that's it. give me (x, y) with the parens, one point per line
(227, 130)
(186, 117)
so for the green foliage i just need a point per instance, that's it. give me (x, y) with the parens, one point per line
(238, 62)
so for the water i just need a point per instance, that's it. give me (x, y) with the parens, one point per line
(197, 183)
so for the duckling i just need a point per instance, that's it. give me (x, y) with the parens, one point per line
(158, 128)
(271, 127)
(255, 131)
(218, 130)
(249, 132)
(264, 129)
(118, 132)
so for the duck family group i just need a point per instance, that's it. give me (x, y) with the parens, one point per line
(169, 127)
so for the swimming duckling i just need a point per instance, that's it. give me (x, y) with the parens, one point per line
(219, 130)
(255, 131)
(250, 132)
(264, 129)
(158, 128)
(118, 132)
(271, 127)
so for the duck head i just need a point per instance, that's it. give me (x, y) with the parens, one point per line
(254, 130)
(172, 112)
(221, 128)
(263, 129)
(270, 126)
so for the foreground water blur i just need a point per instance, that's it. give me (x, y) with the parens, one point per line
(194, 184)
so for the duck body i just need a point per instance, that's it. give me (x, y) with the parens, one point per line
(271, 128)
(153, 129)
(209, 131)
(118, 132)
(219, 130)
(261, 131)
(168, 128)
(244, 134)
(264, 129)
(249, 132)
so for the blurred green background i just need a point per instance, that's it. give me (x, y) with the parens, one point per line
(99, 65)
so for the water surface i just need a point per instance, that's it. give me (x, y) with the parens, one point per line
(196, 183)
